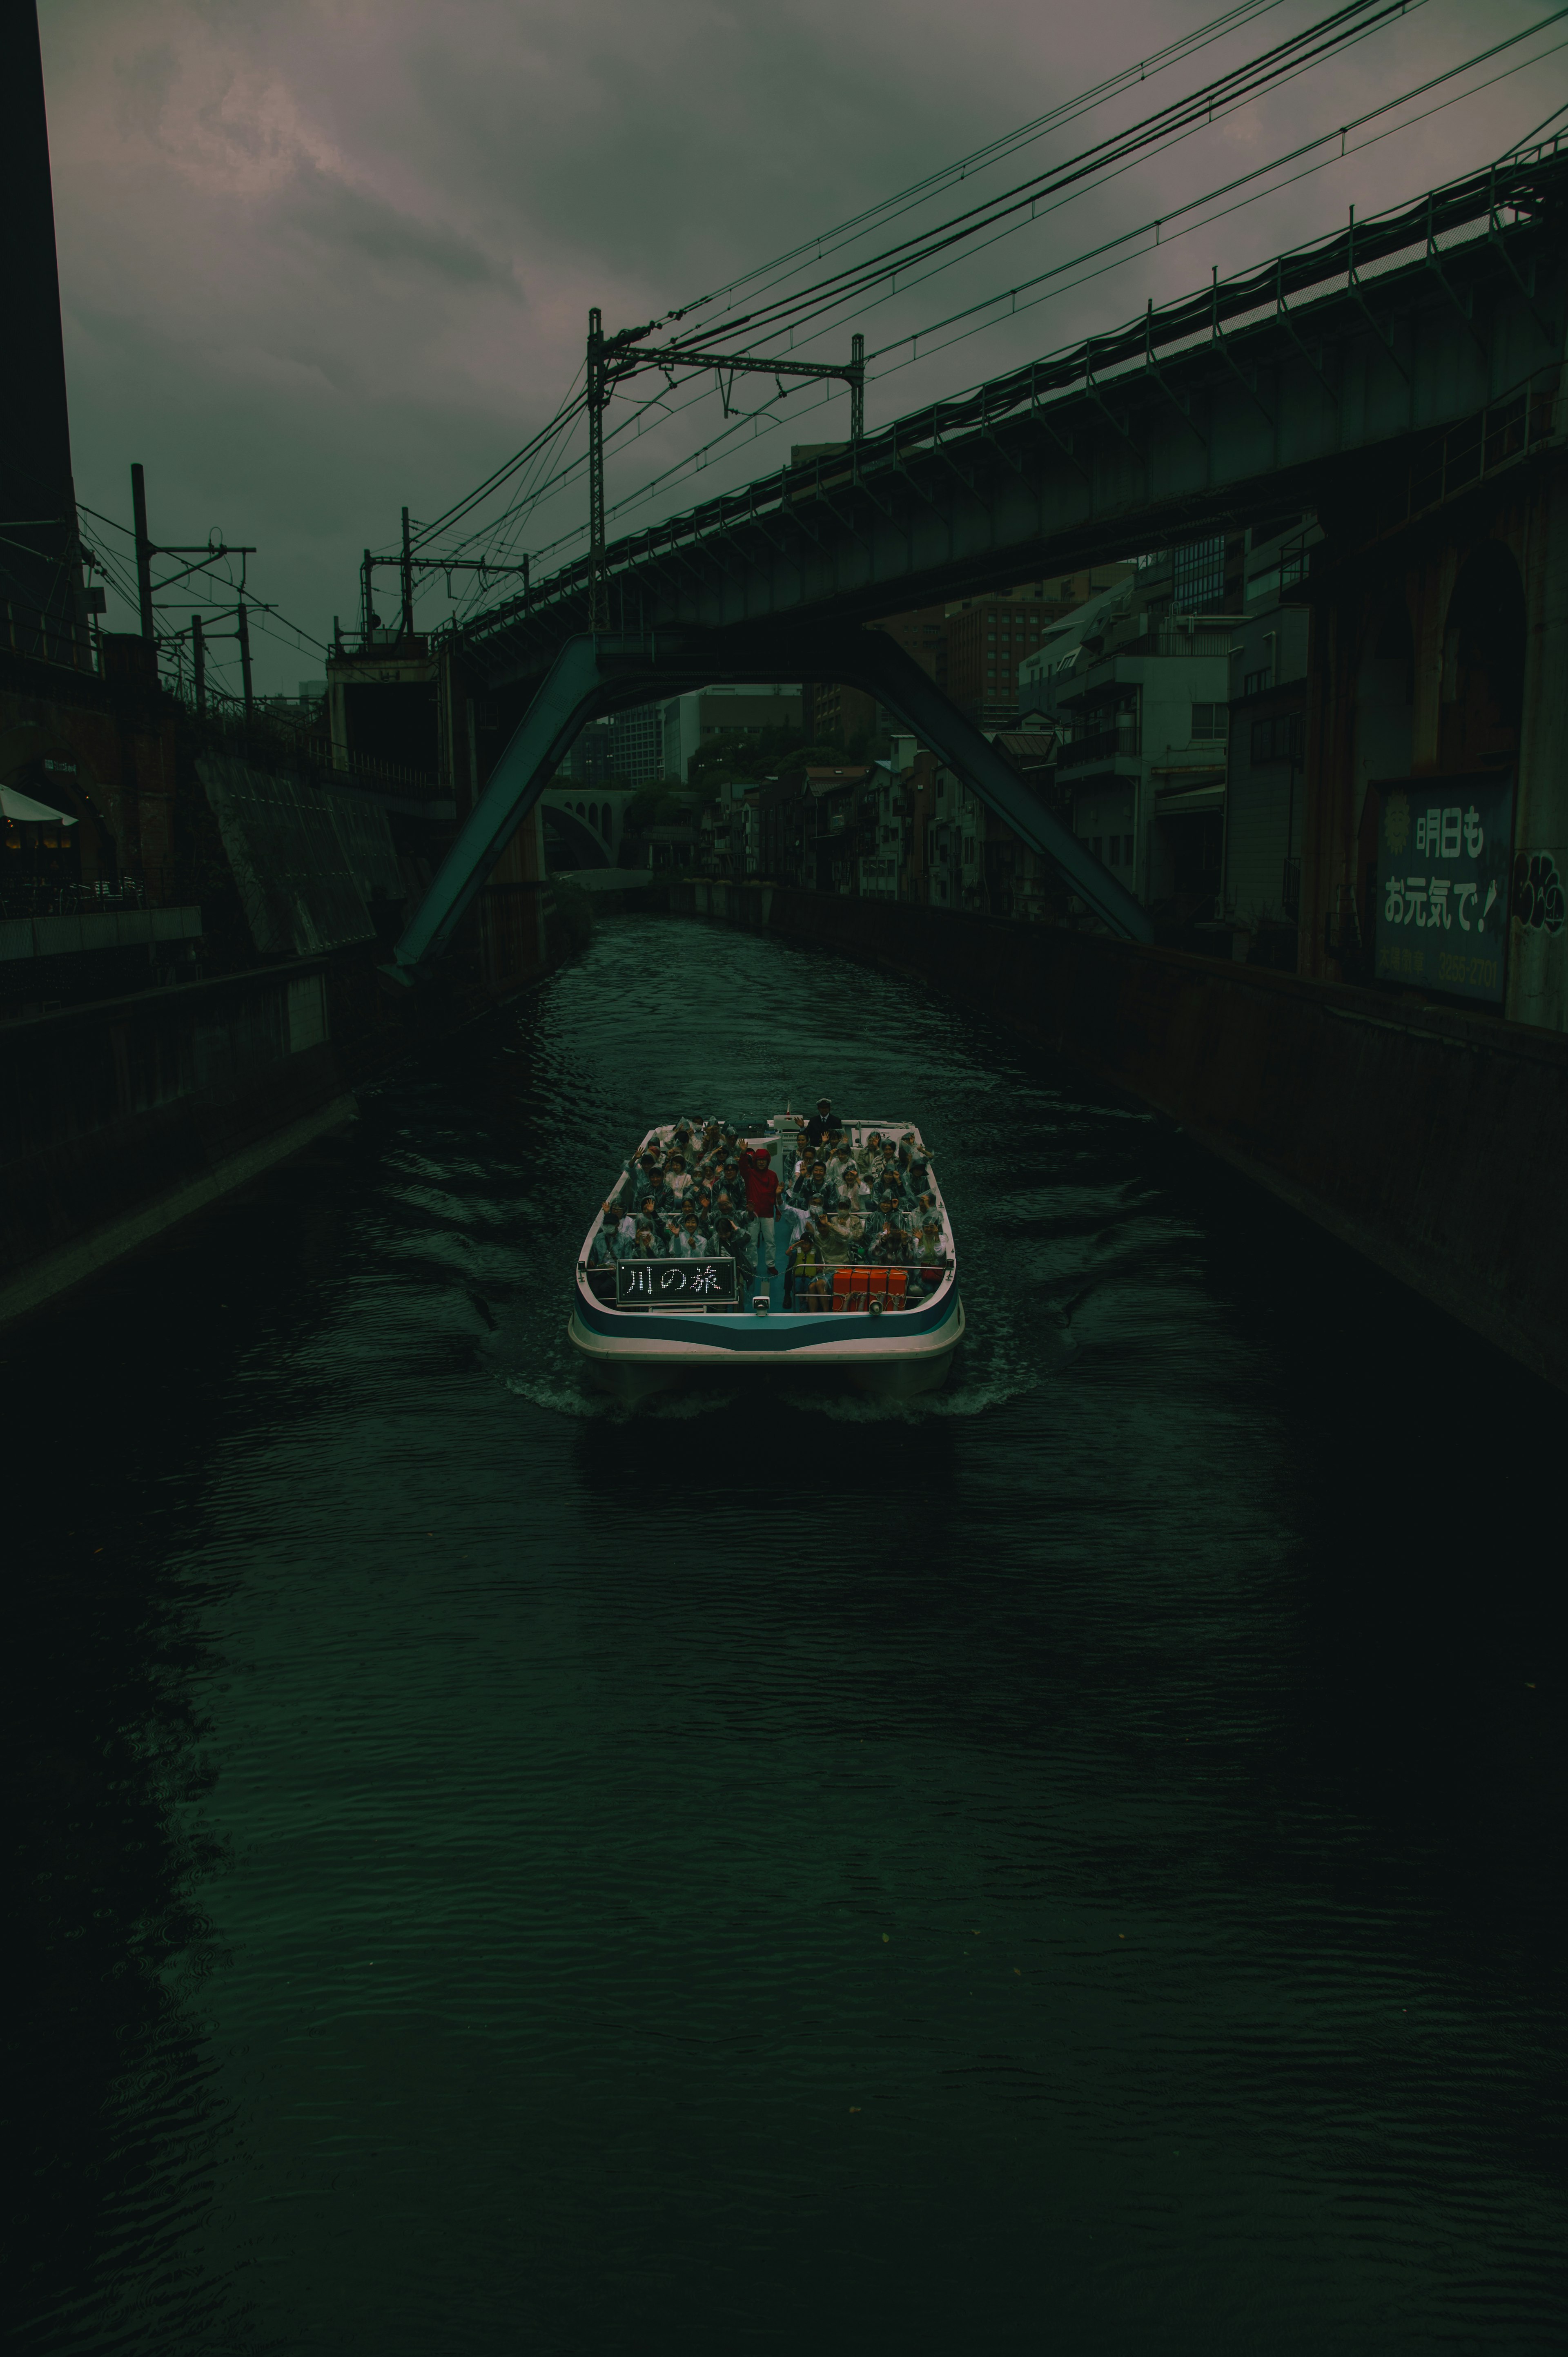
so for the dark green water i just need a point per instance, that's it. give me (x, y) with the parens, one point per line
(1073, 1864)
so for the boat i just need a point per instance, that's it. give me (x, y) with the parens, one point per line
(642, 1322)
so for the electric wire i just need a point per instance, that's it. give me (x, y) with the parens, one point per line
(1347, 26)
(124, 582)
(694, 459)
(982, 158)
(1286, 62)
(1269, 66)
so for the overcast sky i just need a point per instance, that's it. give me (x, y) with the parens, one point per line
(322, 257)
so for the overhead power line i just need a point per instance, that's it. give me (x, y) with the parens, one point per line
(1129, 77)
(983, 158)
(1116, 252)
(1009, 210)
(1288, 59)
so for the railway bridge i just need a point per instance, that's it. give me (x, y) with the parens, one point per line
(1401, 377)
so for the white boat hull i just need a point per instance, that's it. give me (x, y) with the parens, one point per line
(900, 1367)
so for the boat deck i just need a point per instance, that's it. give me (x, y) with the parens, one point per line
(782, 1146)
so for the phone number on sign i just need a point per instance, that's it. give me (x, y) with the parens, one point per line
(1476, 973)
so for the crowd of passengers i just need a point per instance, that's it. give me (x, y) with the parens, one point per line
(700, 1190)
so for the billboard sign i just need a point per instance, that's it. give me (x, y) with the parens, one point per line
(1445, 873)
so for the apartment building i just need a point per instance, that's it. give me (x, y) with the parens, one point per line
(989, 637)
(1266, 809)
(1138, 688)
(691, 721)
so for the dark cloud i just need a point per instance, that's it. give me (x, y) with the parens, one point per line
(356, 221)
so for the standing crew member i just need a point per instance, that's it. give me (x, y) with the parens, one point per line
(762, 1198)
(824, 1124)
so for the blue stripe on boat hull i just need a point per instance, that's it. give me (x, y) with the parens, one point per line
(779, 1335)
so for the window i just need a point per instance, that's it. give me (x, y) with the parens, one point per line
(1276, 740)
(1257, 683)
(1095, 844)
(1210, 724)
(1199, 577)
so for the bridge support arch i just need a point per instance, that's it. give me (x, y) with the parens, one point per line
(611, 671)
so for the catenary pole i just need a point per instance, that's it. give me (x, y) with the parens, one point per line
(598, 597)
(144, 551)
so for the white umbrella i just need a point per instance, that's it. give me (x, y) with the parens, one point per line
(13, 805)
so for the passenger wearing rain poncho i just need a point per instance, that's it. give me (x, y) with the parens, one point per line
(659, 1214)
(728, 1238)
(677, 1177)
(621, 1224)
(813, 1180)
(928, 1251)
(889, 1212)
(728, 1205)
(689, 1242)
(848, 1192)
(791, 1221)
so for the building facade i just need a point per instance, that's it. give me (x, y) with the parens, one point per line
(1140, 699)
(989, 637)
(689, 723)
(1266, 783)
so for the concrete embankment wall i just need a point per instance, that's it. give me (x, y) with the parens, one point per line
(119, 1118)
(1433, 1141)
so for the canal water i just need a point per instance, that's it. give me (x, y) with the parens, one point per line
(1075, 1862)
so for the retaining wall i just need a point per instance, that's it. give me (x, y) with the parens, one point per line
(1433, 1140)
(120, 1117)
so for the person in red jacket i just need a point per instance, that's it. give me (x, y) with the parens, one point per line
(762, 1191)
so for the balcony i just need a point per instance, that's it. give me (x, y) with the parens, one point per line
(1105, 745)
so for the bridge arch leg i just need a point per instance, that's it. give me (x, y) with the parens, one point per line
(872, 660)
(573, 690)
(598, 672)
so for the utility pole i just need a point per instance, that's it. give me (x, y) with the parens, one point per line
(611, 358)
(598, 594)
(198, 664)
(147, 548)
(407, 581)
(408, 565)
(144, 551)
(244, 636)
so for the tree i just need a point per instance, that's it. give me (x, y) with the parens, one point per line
(745, 759)
(664, 803)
